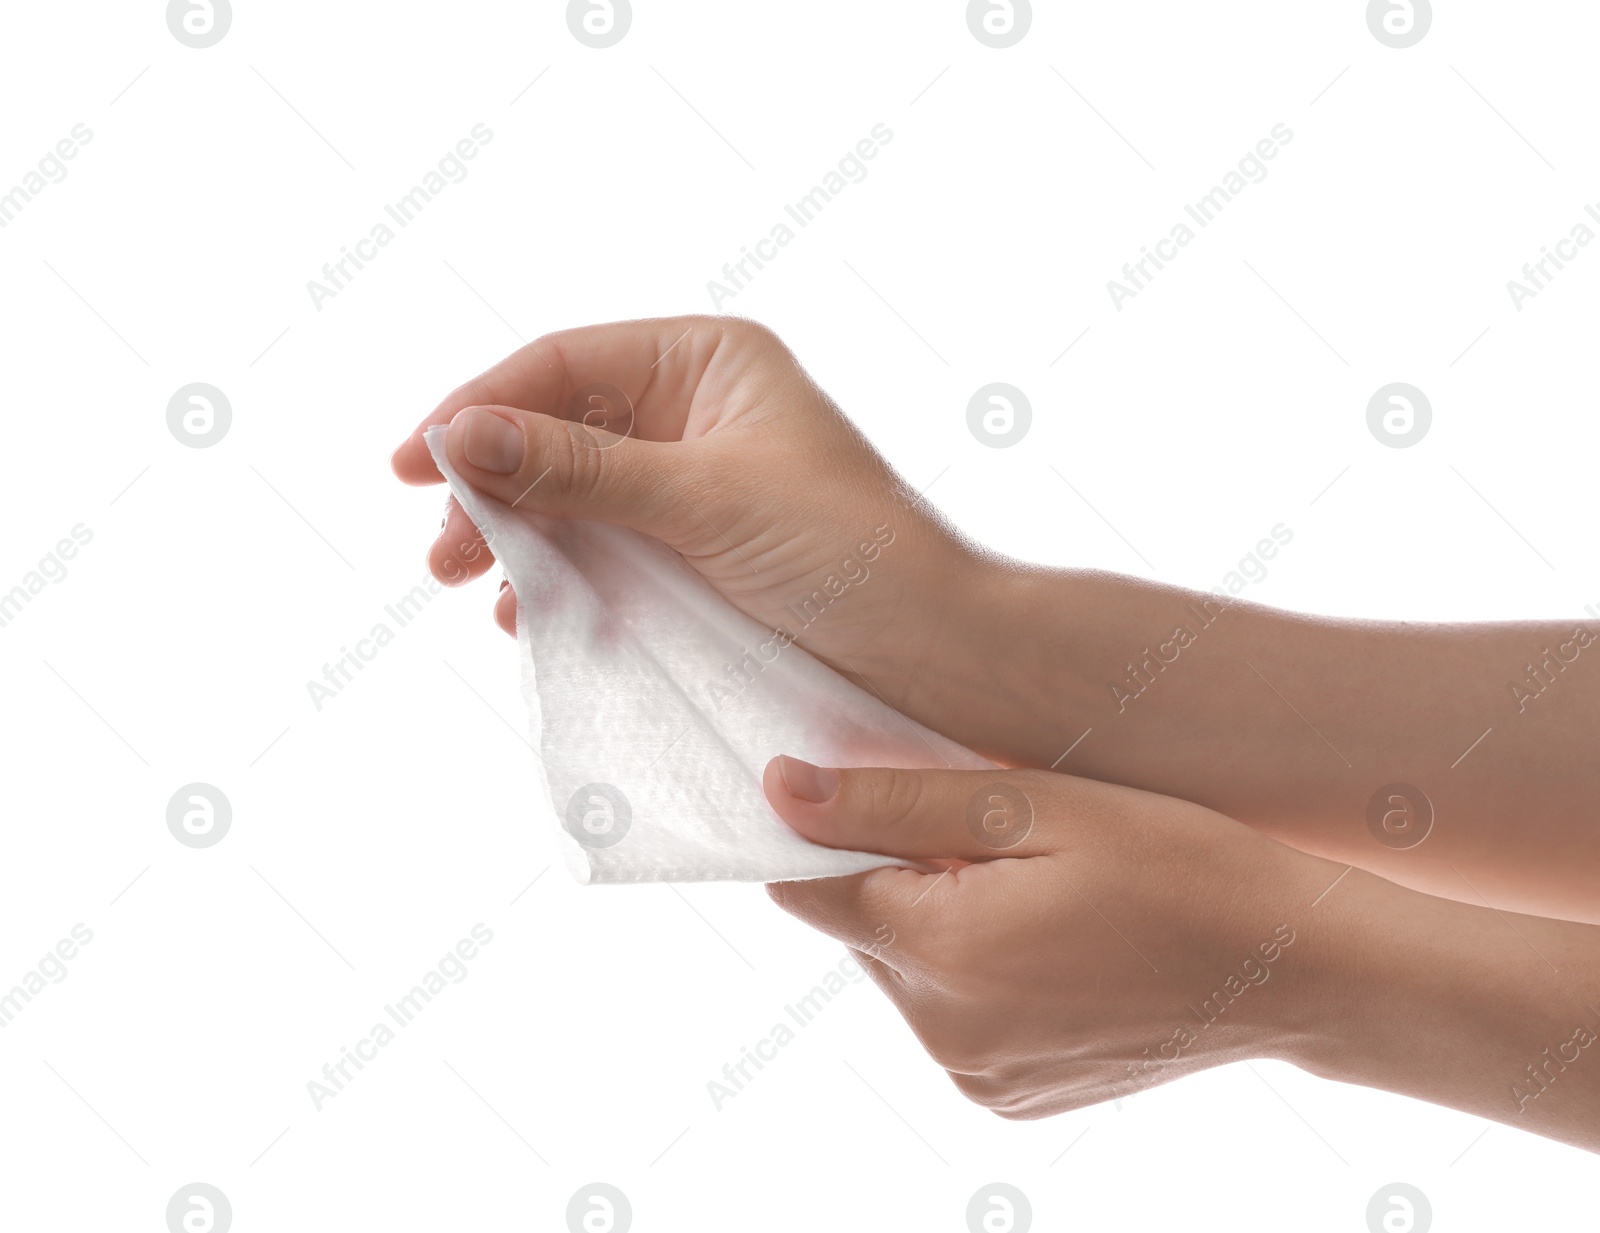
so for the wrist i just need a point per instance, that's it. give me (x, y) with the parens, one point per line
(1495, 1014)
(995, 678)
(1341, 981)
(1408, 990)
(1033, 658)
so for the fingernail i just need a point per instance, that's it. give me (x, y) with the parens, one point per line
(492, 443)
(504, 583)
(805, 782)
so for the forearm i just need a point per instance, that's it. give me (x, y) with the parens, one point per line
(1494, 1014)
(1294, 724)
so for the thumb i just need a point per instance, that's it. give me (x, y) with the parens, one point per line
(556, 466)
(966, 815)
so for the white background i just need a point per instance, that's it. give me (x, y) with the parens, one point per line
(369, 836)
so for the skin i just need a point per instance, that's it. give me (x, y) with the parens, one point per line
(1091, 957)
(736, 459)
(1244, 763)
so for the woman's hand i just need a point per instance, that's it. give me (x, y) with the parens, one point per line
(735, 458)
(1102, 940)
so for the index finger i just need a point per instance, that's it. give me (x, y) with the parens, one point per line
(656, 363)
(861, 910)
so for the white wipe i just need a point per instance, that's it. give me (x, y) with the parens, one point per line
(652, 763)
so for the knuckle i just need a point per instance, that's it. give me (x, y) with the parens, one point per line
(792, 897)
(893, 797)
(974, 1087)
(747, 330)
(552, 348)
(940, 940)
(1001, 1097)
(573, 465)
(961, 1053)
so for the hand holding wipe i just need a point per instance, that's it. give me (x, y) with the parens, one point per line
(652, 763)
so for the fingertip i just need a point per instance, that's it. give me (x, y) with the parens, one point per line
(505, 609)
(457, 425)
(413, 464)
(789, 784)
(772, 783)
(442, 564)
(813, 785)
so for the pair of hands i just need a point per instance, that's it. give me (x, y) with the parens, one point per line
(1084, 940)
